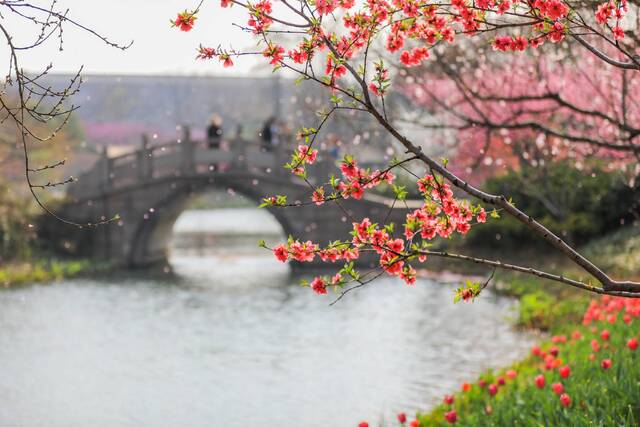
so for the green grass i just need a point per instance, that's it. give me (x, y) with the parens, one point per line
(618, 252)
(16, 274)
(599, 397)
(544, 303)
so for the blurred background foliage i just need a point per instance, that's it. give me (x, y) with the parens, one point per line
(580, 205)
(18, 212)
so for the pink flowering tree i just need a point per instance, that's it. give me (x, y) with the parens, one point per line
(337, 44)
(526, 110)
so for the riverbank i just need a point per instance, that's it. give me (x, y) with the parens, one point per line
(586, 374)
(545, 304)
(47, 270)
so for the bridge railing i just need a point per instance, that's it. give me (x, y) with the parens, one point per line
(187, 157)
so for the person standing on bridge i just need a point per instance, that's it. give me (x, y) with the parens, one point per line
(214, 131)
(269, 134)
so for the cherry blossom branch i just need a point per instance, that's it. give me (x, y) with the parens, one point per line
(531, 271)
(547, 235)
(426, 25)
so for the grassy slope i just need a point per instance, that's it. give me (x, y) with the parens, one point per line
(544, 304)
(15, 274)
(602, 397)
(599, 397)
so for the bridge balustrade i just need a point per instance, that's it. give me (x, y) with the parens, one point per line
(187, 157)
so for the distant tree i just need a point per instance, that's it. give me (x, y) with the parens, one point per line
(38, 111)
(333, 43)
(528, 111)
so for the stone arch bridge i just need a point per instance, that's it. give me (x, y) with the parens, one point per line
(150, 187)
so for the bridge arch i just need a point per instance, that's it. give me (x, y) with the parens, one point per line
(153, 233)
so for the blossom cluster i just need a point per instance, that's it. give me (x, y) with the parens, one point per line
(613, 9)
(184, 21)
(441, 214)
(210, 52)
(304, 155)
(410, 27)
(355, 179)
(353, 182)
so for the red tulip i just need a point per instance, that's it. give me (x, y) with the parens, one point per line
(535, 350)
(565, 400)
(605, 335)
(493, 389)
(540, 381)
(632, 344)
(511, 374)
(606, 363)
(557, 388)
(451, 417)
(554, 351)
(448, 399)
(402, 417)
(549, 361)
(501, 381)
(414, 423)
(466, 387)
(482, 383)
(564, 371)
(363, 424)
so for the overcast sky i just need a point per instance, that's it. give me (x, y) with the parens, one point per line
(157, 48)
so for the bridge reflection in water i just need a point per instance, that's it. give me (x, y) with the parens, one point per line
(150, 187)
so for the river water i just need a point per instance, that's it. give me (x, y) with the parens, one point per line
(231, 341)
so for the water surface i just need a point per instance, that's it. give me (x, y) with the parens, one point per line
(232, 341)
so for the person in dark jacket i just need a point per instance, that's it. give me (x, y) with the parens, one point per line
(267, 133)
(214, 131)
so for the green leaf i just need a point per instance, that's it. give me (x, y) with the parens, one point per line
(336, 100)
(400, 191)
